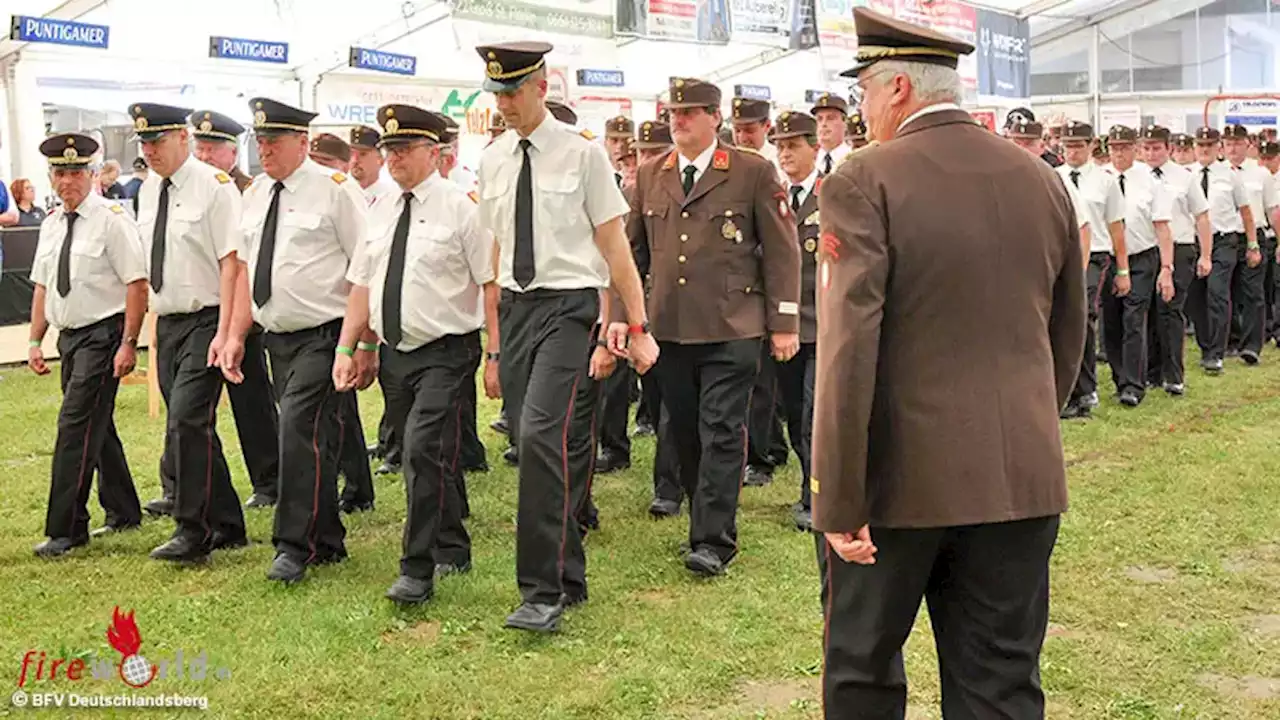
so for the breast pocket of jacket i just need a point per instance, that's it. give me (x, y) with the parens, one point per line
(732, 225)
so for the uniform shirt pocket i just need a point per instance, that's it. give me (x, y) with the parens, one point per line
(731, 224)
(559, 196)
(435, 249)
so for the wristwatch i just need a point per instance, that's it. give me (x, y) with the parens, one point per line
(491, 356)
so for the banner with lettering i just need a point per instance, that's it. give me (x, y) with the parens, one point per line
(704, 21)
(1003, 54)
(761, 21)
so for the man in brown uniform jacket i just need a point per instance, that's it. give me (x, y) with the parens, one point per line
(952, 315)
(712, 227)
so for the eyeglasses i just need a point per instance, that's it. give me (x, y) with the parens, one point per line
(405, 149)
(858, 91)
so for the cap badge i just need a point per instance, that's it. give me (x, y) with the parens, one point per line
(494, 68)
(70, 153)
(140, 124)
(392, 125)
(205, 126)
(259, 118)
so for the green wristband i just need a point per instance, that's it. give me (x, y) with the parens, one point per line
(34, 343)
(1123, 272)
(1253, 246)
(367, 347)
(344, 350)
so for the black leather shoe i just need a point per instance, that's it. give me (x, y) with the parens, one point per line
(1212, 366)
(536, 617)
(480, 468)
(286, 570)
(387, 468)
(660, 508)
(643, 430)
(802, 517)
(159, 507)
(512, 456)
(57, 547)
(757, 476)
(704, 563)
(410, 590)
(500, 425)
(258, 500)
(221, 541)
(1249, 357)
(1075, 411)
(447, 569)
(1175, 389)
(351, 506)
(1129, 398)
(608, 462)
(112, 529)
(376, 452)
(180, 550)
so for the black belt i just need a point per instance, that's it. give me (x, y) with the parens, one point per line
(331, 327)
(544, 294)
(72, 332)
(1227, 235)
(201, 313)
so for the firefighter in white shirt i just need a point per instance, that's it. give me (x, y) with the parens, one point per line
(832, 114)
(1149, 243)
(367, 162)
(1029, 135)
(90, 284)
(1192, 251)
(424, 283)
(1210, 301)
(1104, 206)
(302, 226)
(1248, 291)
(188, 217)
(1269, 158)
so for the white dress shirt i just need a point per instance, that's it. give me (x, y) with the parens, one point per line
(1263, 195)
(1188, 201)
(1147, 202)
(106, 256)
(808, 185)
(1077, 204)
(202, 228)
(1102, 201)
(381, 187)
(573, 194)
(448, 259)
(320, 224)
(462, 176)
(840, 152)
(1227, 195)
(700, 163)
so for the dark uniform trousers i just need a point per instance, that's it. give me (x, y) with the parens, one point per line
(257, 422)
(666, 460)
(766, 447)
(795, 383)
(987, 589)
(1209, 300)
(1269, 286)
(353, 455)
(545, 334)
(1248, 297)
(204, 500)
(1124, 322)
(395, 410)
(1166, 327)
(87, 438)
(583, 440)
(706, 389)
(615, 409)
(648, 410)
(435, 376)
(307, 522)
(1098, 286)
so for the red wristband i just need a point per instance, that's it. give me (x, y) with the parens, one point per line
(638, 329)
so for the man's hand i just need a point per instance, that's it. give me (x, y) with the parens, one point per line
(492, 385)
(344, 372)
(1164, 284)
(785, 346)
(616, 336)
(854, 547)
(1253, 257)
(230, 358)
(1122, 285)
(35, 361)
(126, 360)
(215, 351)
(602, 363)
(642, 351)
(1204, 265)
(366, 368)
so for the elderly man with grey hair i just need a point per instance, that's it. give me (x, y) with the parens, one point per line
(108, 187)
(937, 469)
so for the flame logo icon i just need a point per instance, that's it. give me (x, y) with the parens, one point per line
(123, 635)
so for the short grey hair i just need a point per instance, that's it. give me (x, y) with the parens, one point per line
(931, 83)
(111, 165)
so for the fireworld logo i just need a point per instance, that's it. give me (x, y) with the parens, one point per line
(132, 669)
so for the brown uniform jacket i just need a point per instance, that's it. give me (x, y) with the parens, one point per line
(724, 262)
(953, 319)
(242, 181)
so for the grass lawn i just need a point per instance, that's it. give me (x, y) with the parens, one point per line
(1166, 588)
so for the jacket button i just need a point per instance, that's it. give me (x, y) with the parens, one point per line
(681, 258)
(684, 238)
(681, 281)
(748, 289)
(649, 213)
(684, 215)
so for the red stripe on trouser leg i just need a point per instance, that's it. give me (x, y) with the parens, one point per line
(564, 468)
(315, 491)
(84, 454)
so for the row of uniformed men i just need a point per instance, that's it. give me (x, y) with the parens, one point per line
(1185, 233)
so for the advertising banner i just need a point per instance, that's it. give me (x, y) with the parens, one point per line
(1004, 55)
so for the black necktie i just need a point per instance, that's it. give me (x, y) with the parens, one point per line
(522, 263)
(1122, 184)
(158, 236)
(393, 289)
(64, 258)
(689, 172)
(617, 178)
(1158, 172)
(826, 165)
(1075, 178)
(796, 190)
(267, 249)
(1204, 181)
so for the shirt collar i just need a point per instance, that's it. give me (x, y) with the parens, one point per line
(702, 162)
(423, 189)
(807, 184)
(540, 136)
(936, 107)
(179, 177)
(294, 180)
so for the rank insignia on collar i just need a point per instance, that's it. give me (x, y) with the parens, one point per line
(671, 161)
(720, 161)
(117, 209)
(222, 178)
